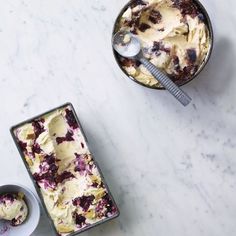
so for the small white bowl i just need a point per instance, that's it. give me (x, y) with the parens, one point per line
(27, 227)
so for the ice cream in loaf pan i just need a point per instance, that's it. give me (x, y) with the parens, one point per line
(61, 164)
(174, 36)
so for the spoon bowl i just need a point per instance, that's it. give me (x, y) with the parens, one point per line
(126, 44)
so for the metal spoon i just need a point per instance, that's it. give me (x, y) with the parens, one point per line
(129, 46)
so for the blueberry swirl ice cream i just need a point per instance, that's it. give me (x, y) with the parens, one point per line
(63, 168)
(13, 208)
(174, 37)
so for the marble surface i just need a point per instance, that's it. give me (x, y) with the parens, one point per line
(172, 170)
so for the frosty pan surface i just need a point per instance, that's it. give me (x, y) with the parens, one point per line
(68, 180)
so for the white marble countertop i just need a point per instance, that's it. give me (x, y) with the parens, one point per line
(172, 170)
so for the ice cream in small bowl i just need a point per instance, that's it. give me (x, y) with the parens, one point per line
(13, 208)
(19, 210)
(176, 36)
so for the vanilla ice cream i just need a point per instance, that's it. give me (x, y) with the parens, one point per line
(63, 167)
(13, 208)
(173, 35)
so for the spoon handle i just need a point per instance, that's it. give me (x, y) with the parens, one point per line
(166, 82)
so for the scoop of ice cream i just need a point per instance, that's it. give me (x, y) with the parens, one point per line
(13, 208)
(173, 34)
